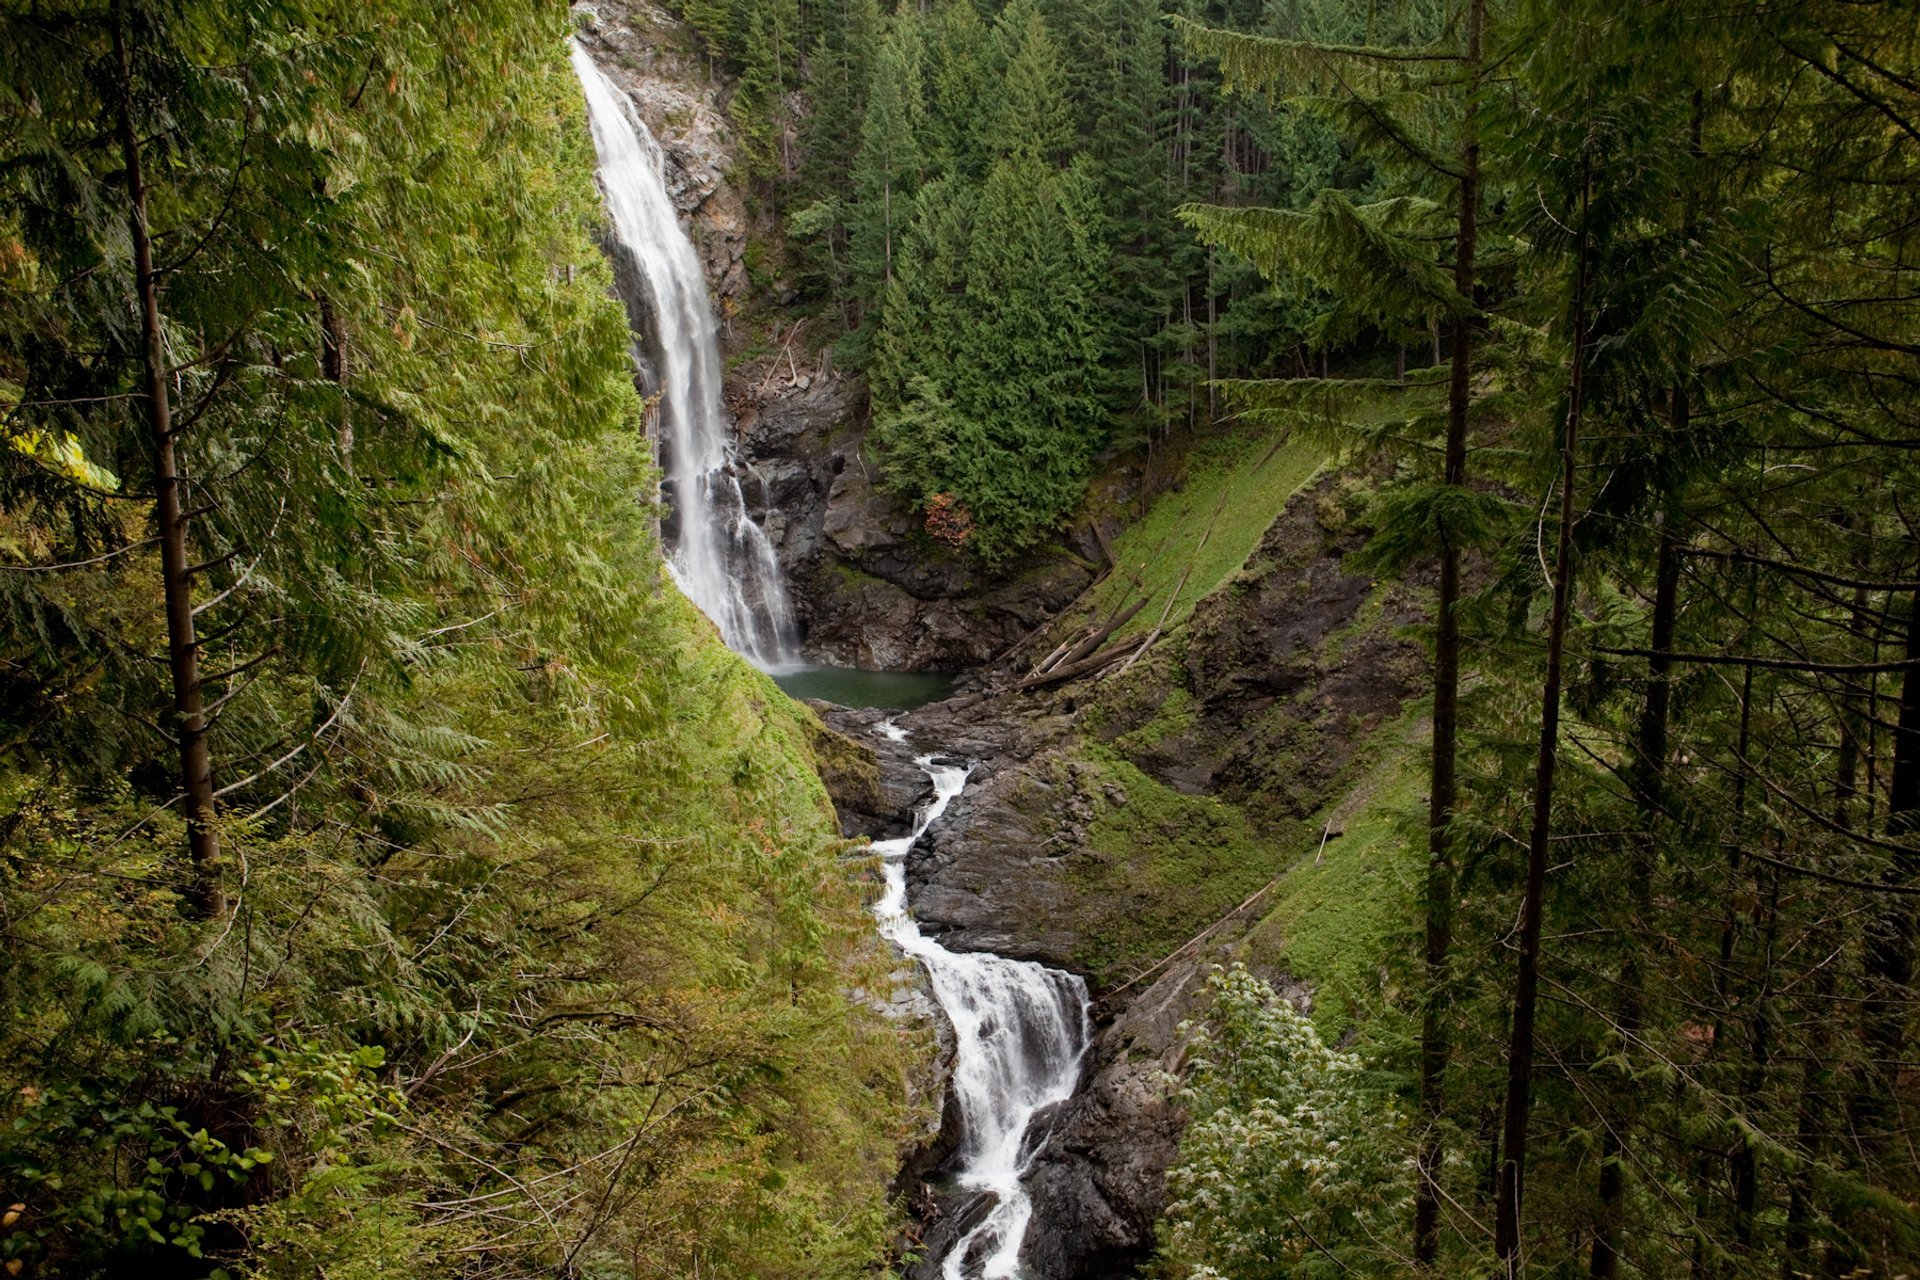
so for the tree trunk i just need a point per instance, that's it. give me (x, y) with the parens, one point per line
(1647, 776)
(1889, 953)
(1745, 1165)
(1442, 789)
(1816, 1073)
(1519, 1096)
(183, 649)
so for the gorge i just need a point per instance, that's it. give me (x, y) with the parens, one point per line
(720, 555)
(974, 640)
(1020, 1029)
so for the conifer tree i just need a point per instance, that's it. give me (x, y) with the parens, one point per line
(839, 70)
(959, 78)
(1372, 257)
(1033, 118)
(889, 166)
(770, 39)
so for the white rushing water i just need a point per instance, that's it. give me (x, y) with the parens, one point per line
(723, 560)
(1020, 1030)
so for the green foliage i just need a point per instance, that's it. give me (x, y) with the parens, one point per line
(63, 1125)
(540, 929)
(891, 160)
(1288, 1166)
(1375, 259)
(1409, 521)
(1700, 1078)
(770, 39)
(1095, 318)
(986, 372)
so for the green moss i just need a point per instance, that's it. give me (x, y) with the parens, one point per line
(1163, 866)
(1339, 915)
(852, 575)
(1174, 716)
(849, 769)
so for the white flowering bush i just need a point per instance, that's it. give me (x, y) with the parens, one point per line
(1288, 1168)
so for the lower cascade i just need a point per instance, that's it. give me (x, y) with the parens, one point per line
(723, 560)
(1020, 1032)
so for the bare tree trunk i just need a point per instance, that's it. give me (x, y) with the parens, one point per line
(183, 649)
(1213, 345)
(1442, 788)
(1519, 1096)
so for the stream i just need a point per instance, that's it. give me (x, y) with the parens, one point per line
(1020, 1031)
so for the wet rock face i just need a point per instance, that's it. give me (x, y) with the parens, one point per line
(1099, 1183)
(657, 61)
(871, 589)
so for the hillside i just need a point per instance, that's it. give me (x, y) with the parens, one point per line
(518, 936)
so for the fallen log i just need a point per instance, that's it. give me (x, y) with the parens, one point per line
(1099, 636)
(1073, 670)
(1059, 652)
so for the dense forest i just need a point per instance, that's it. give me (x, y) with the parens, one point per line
(985, 203)
(398, 877)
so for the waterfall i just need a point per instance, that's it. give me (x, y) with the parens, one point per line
(723, 559)
(1020, 1029)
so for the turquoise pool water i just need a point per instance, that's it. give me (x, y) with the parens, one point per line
(894, 690)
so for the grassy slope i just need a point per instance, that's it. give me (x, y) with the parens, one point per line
(1341, 909)
(1167, 864)
(1235, 485)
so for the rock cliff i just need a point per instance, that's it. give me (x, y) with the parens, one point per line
(870, 588)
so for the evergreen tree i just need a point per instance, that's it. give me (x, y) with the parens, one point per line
(770, 39)
(1033, 118)
(959, 80)
(838, 72)
(890, 163)
(987, 376)
(1372, 258)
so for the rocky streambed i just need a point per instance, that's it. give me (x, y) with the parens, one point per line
(1260, 717)
(1097, 1160)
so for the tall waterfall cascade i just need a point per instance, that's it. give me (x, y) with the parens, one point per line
(1020, 1032)
(722, 560)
